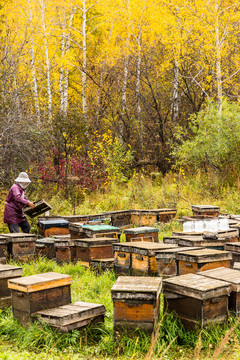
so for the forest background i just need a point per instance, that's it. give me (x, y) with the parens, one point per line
(96, 91)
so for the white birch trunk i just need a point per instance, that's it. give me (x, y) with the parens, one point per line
(138, 82)
(84, 65)
(49, 90)
(124, 96)
(218, 65)
(34, 77)
(63, 80)
(175, 92)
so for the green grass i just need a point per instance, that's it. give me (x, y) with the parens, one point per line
(98, 341)
(172, 341)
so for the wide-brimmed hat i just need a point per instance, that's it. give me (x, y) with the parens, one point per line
(23, 178)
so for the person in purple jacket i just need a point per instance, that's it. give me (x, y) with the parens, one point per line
(16, 200)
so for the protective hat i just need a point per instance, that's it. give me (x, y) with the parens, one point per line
(23, 178)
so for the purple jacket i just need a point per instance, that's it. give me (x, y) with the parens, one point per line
(15, 201)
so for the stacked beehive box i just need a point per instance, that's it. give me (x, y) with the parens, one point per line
(136, 302)
(95, 252)
(7, 272)
(137, 258)
(53, 227)
(209, 210)
(21, 246)
(144, 233)
(196, 299)
(232, 277)
(83, 231)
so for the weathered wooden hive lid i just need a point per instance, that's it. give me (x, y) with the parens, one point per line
(136, 287)
(204, 255)
(100, 227)
(95, 241)
(47, 224)
(3, 239)
(145, 212)
(205, 207)
(61, 237)
(70, 313)
(125, 246)
(228, 233)
(149, 248)
(45, 241)
(197, 286)
(39, 282)
(236, 265)
(233, 246)
(62, 242)
(19, 237)
(184, 233)
(165, 210)
(141, 230)
(7, 271)
(172, 252)
(231, 276)
(121, 212)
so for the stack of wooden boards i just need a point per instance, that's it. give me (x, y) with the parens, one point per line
(47, 298)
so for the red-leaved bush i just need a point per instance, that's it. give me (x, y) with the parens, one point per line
(76, 170)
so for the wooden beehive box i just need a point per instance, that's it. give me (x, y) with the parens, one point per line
(143, 233)
(37, 292)
(121, 218)
(65, 250)
(41, 206)
(234, 248)
(72, 316)
(83, 231)
(143, 257)
(196, 299)
(100, 265)
(236, 265)
(167, 262)
(210, 210)
(90, 249)
(122, 258)
(204, 259)
(232, 277)
(7, 272)
(3, 248)
(45, 248)
(144, 217)
(207, 242)
(21, 246)
(136, 302)
(47, 228)
(165, 215)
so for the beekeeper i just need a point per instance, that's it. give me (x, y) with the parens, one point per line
(15, 202)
